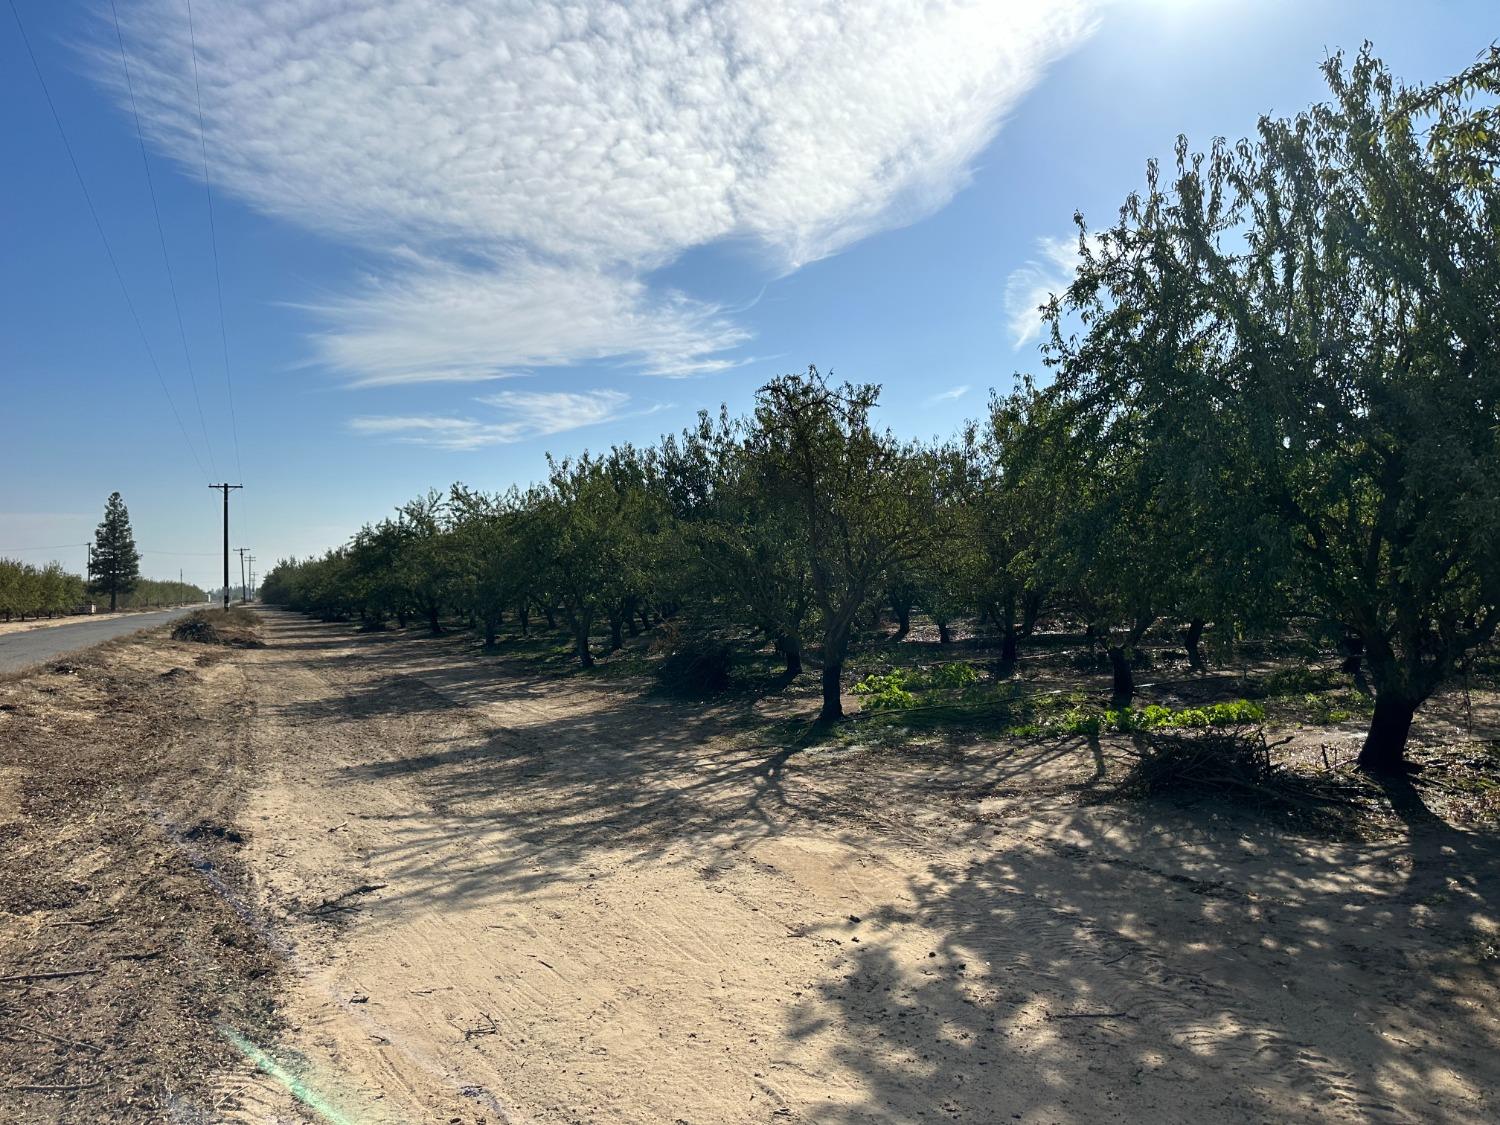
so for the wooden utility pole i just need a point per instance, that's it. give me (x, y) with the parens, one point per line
(226, 489)
(242, 552)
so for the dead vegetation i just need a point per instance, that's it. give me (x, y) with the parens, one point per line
(236, 628)
(122, 950)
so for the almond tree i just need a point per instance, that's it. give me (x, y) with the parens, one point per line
(738, 548)
(1307, 325)
(857, 492)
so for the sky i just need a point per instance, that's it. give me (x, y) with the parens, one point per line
(341, 251)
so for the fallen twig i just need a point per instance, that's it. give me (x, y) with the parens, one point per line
(492, 1028)
(54, 1088)
(57, 975)
(84, 921)
(58, 1038)
(1089, 1016)
(362, 889)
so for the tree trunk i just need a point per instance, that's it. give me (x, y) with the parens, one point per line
(1384, 750)
(1352, 647)
(1008, 644)
(111, 601)
(581, 644)
(833, 704)
(645, 619)
(902, 612)
(1124, 685)
(1192, 637)
(433, 623)
(790, 648)
(1031, 608)
(401, 618)
(945, 635)
(836, 645)
(550, 616)
(491, 626)
(523, 615)
(616, 632)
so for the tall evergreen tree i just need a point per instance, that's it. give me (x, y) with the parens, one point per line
(115, 564)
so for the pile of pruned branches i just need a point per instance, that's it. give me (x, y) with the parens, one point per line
(1196, 761)
(236, 628)
(696, 663)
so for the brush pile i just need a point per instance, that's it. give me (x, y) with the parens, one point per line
(1197, 761)
(238, 628)
(696, 661)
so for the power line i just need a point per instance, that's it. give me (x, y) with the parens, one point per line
(161, 236)
(213, 239)
(139, 550)
(99, 226)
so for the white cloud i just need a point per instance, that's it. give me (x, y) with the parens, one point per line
(1033, 284)
(523, 415)
(603, 139)
(951, 393)
(439, 322)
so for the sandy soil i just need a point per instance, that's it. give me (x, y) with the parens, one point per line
(503, 898)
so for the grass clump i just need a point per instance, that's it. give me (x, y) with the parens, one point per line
(901, 689)
(1080, 719)
(1300, 679)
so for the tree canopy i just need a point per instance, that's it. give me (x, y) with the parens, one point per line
(1273, 403)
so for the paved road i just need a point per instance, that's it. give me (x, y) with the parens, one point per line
(37, 646)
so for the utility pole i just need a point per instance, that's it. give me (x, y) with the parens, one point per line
(226, 489)
(252, 572)
(242, 552)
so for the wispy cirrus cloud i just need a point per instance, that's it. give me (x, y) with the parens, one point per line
(519, 415)
(1033, 284)
(579, 148)
(951, 393)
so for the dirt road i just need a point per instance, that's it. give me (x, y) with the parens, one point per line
(509, 898)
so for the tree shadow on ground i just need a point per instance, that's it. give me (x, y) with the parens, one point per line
(1043, 962)
(1187, 968)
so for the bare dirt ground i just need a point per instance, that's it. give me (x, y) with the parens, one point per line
(487, 894)
(127, 941)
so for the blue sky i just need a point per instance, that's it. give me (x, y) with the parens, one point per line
(455, 234)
